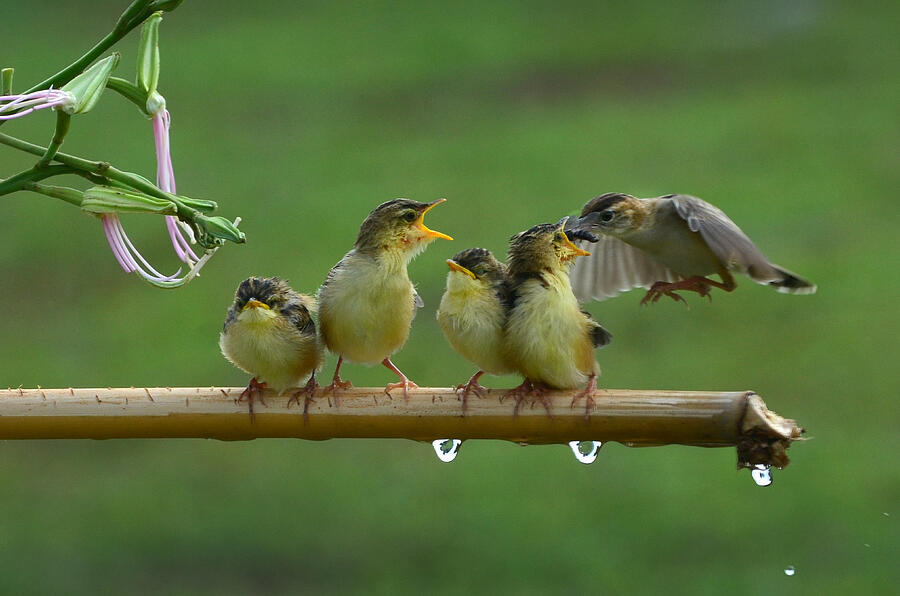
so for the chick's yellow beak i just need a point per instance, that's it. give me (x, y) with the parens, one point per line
(454, 266)
(578, 252)
(420, 223)
(254, 303)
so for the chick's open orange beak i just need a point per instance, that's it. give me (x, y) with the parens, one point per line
(420, 223)
(454, 266)
(578, 252)
(254, 303)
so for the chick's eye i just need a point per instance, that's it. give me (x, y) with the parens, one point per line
(410, 216)
(607, 216)
(558, 237)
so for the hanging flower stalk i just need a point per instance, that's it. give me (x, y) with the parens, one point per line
(148, 67)
(114, 190)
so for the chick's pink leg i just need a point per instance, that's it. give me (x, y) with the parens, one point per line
(404, 380)
(336, 382)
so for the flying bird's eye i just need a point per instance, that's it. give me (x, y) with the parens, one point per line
(607, 216)
(410, 216)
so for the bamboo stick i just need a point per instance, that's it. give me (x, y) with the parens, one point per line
(632, 417)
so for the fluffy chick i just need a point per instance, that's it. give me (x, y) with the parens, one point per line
(367, 302)
(269, 333)
(549, 339)
(473, 312)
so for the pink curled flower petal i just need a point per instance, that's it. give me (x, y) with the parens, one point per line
(165, 180)
(38, 100)
(113, 245)
(175, 236)
(134, 251)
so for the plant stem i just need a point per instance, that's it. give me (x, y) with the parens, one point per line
(62, 127)
(17, 182)
(129, 91)
(104, 169)
(69, 195)
(133, 16)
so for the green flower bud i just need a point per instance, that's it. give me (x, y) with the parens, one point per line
(218, 228)
(6, 79)
(199, 204)
(106, 199)
(87, 87)
(155, 103)
(148, 55)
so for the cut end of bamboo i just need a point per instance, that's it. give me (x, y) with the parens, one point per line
(765, 436)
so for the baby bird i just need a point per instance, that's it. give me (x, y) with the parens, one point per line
(269, 333)
(472, 314)
(549, 339)
(367, 302)
(667, 244)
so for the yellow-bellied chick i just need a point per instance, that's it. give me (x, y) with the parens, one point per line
(473, 312)
(549, 339)
(269, 333)
(667, 244)
(367, 302)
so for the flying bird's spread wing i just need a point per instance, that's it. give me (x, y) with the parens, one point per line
(614, 267)
(733, 248)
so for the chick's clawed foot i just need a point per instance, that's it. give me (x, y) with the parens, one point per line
(309, 392)
(587, 393)
(530, 389)
(254, 390)
(471, 386)
(407, 384)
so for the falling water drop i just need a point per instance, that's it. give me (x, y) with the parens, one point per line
(446, 449)
(789, 571)
(761, 475)
(585, 451)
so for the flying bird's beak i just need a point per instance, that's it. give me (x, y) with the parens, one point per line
(254, 303)
(454, 266)
(420, 223)
(578, 252)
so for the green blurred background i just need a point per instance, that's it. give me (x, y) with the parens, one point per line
(302, 116)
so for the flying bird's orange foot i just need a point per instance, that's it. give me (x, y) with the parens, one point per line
(698, 284)
(309, 392)
(586, 393)
(254, 389)
(471, 386)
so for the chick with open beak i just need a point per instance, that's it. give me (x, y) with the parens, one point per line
(473, 312)
(367, 302)
(269, 333)
(666, 244)
(548, 338)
